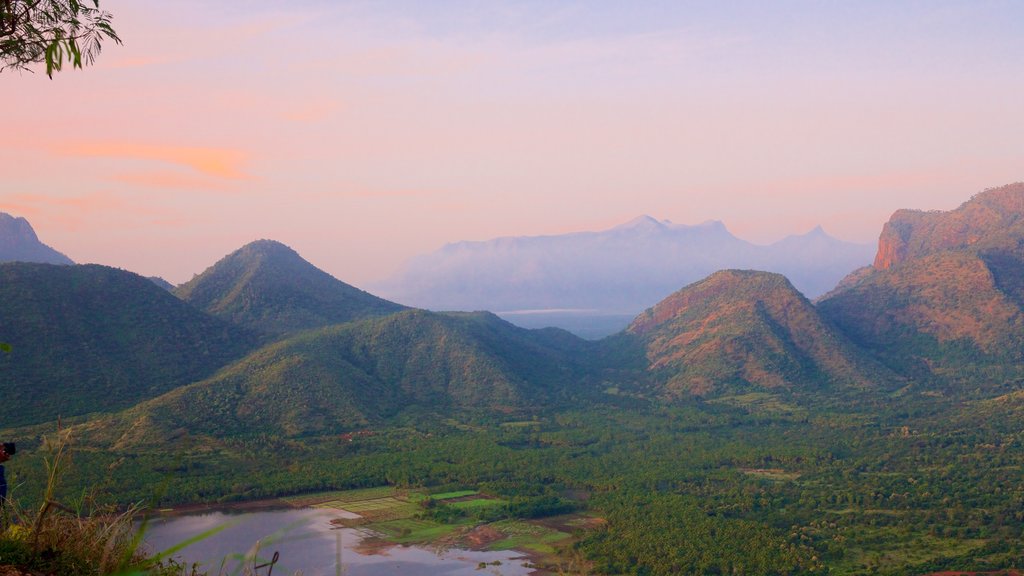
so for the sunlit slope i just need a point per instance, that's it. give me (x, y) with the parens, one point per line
(91, 338)
(361, 374)
(943, 300)
(268, 287)
(746, 330)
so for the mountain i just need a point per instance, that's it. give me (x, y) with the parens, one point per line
(991, 219)
(161, 283)
(944, 297)
(742, 330)
(19, 243)
(360, 374)
(622, 270)
(266, 286)
(91, 338)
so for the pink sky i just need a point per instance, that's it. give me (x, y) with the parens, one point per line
(365, 133)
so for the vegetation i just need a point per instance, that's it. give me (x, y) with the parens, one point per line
(52, 31)
(267, 287)
(92, 338)
(733, 429)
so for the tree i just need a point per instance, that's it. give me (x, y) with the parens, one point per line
(52, 31)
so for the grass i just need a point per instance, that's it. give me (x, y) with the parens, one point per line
(477, 503)
(527, 536)
(58, 540)
(408, 531)
(455, 494)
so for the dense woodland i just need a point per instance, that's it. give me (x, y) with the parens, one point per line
(906, 487)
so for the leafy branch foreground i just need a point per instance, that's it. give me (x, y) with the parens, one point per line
(52, 31)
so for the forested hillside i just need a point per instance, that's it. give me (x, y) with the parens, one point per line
(267, 287)
(95, 339)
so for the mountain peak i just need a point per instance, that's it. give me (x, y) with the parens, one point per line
(742, 329)
(993, 218)
(644, 222)
(269, 287)
(19, 243)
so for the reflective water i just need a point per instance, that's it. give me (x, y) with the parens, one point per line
(306, 542)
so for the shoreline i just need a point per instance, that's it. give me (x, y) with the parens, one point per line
(540, 563)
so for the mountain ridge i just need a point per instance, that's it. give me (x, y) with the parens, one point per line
(19, 243)
(624, 269)
(268, 287)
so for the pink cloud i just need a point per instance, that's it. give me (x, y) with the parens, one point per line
(170, 180)
(217, 162)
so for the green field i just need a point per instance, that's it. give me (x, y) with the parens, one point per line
(523, 535)
(451, 495)
(477, 503)
(408, 530)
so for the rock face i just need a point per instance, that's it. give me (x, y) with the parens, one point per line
(944, 298)
(266, 286)
(741, 329)
(19, 243)
(987, 219)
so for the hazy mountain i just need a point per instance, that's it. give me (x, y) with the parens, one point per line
(19, 243)
(944, 297)
(359, 374)
(268, 287)
(622, 270)
(742, 330)
(92, 338)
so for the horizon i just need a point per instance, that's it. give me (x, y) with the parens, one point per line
(378, 281)
(363, 135)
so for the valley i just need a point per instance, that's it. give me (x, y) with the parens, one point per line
(733, 427)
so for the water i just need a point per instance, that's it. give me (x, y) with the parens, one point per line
(307, 542)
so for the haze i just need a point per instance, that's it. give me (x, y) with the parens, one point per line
(362, 134)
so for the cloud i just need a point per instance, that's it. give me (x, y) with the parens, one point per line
(169, 179)
(223, 163)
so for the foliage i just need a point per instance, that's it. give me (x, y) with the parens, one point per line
(267, 287)
(92, 338)
(52, 31)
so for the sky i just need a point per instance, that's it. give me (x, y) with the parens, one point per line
(364, 133)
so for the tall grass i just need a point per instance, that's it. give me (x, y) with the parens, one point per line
(60, 540)
(57, 539)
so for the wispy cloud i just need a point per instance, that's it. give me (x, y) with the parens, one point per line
(217, 162)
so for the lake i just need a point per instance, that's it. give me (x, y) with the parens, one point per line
(307, 542)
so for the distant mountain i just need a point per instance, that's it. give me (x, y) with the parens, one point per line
(944, 297)
(91, 338)
(622, 270)
(19, 243)
(741, 330)
(360, 374)
(266, 286)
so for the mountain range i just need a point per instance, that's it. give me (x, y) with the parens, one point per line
(622, 270)
(263, 340)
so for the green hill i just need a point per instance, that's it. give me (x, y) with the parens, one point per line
(91, 338)
(742, 330)
(266, 286)
(361, 374)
